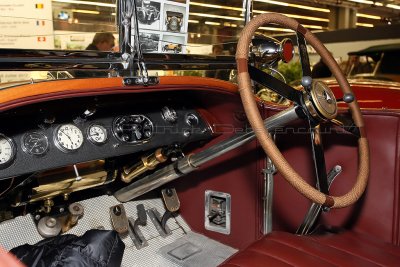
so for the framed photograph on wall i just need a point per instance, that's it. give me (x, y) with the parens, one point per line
(148, 14)
(172, 43)
(149, 41)
(175, 19)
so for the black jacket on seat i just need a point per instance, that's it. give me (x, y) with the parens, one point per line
(95, 248)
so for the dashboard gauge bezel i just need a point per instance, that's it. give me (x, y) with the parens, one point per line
(145, 140)
(61, 147)
(29, 152)
(10, 161)
(88, 136)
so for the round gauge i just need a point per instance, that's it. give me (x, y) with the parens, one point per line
(7, 151)
(68, 138)
(35, 143)
(97, 134)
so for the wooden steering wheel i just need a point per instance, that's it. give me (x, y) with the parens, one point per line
(316, 101)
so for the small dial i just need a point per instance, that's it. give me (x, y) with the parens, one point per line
(68, 138)
(35, 143)
(7, 151)
(97, 134)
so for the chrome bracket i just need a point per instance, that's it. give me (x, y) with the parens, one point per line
(132, 81)
(268, 172)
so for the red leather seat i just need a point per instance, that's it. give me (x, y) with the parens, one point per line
(343, 249)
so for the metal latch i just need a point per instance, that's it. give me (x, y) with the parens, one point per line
(218, 212)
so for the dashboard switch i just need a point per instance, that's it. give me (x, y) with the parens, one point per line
(169, 114)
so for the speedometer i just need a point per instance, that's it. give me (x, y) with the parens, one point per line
(7, 151)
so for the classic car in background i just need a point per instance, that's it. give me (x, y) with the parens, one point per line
(375, 62)
(195, 171)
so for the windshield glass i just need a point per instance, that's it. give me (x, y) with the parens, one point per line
(177, 27)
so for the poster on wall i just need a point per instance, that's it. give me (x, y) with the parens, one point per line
(27, 25)
(163, 25)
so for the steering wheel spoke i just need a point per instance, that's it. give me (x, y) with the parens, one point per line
(319, 158)
(304, 60)
(346, 123)
(275, 84)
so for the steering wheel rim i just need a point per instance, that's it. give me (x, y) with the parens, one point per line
(255, 120)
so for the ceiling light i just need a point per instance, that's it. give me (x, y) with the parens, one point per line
(85, 11)
(275, 29)
(193, 21)
(216, 6)
(295, 16)
(79, 2)
(367, 16)
(367, 2)
(393, 6)
(365, 25)
(279, 3)
(313, 26)
(215, 16)
(212, 23)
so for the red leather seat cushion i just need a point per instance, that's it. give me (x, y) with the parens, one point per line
(344, 249)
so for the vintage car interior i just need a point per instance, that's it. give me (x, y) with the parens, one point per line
(194, 171)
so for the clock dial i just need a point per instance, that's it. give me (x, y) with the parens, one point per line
(35, 143)
(97, 134)
(7, 151)
(68, 138)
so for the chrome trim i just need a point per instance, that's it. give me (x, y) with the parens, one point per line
(58, 60)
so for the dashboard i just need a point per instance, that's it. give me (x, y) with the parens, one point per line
(65, 132)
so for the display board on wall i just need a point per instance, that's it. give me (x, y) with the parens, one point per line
(27, 24)
(163, 25)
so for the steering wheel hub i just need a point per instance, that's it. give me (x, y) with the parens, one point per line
(322, 102)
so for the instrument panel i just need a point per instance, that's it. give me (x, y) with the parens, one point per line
(68, 139)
